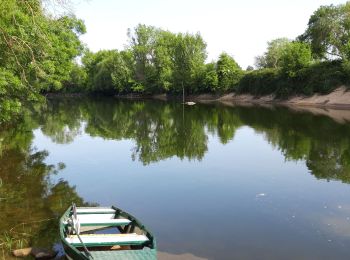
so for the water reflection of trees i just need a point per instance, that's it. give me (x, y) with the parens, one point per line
(162, 130)
(30, 204)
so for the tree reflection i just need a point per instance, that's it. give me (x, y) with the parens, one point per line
(163, 130)
(30, 204)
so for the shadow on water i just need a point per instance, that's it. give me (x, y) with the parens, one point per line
(31, 203)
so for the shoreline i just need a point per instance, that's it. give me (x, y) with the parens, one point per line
(335, 105)
(337, 99)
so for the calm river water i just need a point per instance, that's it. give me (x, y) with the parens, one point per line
(210, 181)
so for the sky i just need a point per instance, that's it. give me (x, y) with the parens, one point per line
(240, 28)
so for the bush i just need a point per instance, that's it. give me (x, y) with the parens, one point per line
(259, 82)
(322, 77)
(295, 56)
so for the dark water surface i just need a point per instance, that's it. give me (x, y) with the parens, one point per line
(210, 181)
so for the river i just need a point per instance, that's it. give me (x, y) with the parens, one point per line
(210, 181)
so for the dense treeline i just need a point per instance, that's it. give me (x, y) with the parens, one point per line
(155, 61)
(38, 53)
(158, 61)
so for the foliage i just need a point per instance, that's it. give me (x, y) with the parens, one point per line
(10, 86)
(228, 71)
(321, 77)
(189, 57)
(77, 79)
(210, 78)
(272, 57)
(36, 52)
(156, 61)
(295, 56)
(328, 32)
(142, 43)
(259, 82)
(163, 61)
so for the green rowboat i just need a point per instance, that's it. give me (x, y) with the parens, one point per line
(105, 233)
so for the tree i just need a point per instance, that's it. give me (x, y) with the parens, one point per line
(272, 57)
(109, 71)
(142, 41)
(36, 52)
(328, 32)
(250, 68)
(228, 71)
(210, 78)
(295, 56)
(77, 79)
(164, 60)
(99, 70)
(189, 57)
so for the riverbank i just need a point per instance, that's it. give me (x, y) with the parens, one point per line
(335, 105)
(338, 99)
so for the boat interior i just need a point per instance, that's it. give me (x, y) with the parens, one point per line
(102, 230)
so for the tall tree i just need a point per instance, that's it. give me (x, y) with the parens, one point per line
(228, 71)
(189, 57)
(272, 57)
(328, 32)
(164, 60)
(142, 41)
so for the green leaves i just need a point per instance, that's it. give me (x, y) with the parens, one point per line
(272, 57)
(328, 32)
(295, 56)
(10, 86)
(228, 71)
(36, 49)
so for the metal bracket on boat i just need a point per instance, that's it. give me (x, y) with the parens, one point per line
(76, 229)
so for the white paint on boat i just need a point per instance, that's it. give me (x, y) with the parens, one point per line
(95, 210)
(107, 239)
(104, 222)
(93, 217)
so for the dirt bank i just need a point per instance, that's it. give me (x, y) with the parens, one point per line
(339, 99)
(335, 105)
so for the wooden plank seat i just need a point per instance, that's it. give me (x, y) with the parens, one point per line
(95, 211)
(107, 239)
(104, 222)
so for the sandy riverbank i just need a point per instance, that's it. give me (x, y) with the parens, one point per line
(335, 105)
(338, 99)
